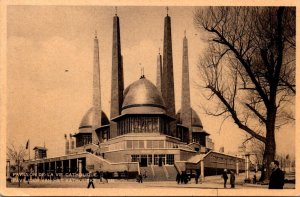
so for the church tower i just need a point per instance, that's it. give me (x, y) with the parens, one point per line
(168, 78)
(159, 72)
(186, 110)
(96, 92)
(117, 82)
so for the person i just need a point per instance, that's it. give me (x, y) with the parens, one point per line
(91, 181)
(178, 178)
(140, 178)
(277, 176)
(254, 179)
(232, 179)
(225, 177)
(196, 178)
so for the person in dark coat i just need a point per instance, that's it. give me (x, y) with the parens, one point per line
(277, 176)
(225, 177)
(91, 181)
(178, 178)
(232, 179)
(196, 178)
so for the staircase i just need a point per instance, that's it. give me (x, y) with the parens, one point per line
(148, 172)
(160, 174)
(172, 172)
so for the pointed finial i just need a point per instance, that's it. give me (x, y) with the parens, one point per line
(184, 33)
(116, 10)
(167, 8)
(95, 33)
(159, 50)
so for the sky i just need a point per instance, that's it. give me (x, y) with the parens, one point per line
(44, 102)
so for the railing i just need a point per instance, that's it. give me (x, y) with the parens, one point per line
(165, 171)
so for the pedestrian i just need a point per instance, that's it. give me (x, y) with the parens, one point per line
(91, 181)
(232, 179)
(277, 176)
(196, 178)
(178, 178)
(140, 178)
(225, 177)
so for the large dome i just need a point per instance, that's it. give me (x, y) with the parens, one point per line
(196, 122)
(87, 120)
(142, 97)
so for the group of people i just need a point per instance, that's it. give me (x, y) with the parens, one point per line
(276, 178)
(184, 178)
(232, 178)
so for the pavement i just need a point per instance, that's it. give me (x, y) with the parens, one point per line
(211, 182)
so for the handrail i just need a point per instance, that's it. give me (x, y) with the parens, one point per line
(165, 171)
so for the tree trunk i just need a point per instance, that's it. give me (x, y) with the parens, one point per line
(270, 146)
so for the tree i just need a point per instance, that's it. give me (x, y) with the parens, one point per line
(249, 68)
(17, 157)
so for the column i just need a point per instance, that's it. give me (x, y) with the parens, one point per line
(62, 167)
(237, 167)
(247, 166)
(55, 165)
(80, 168)
(7, 169)
(36, 169)
(44, 167)
(202, 170)
(69, 165)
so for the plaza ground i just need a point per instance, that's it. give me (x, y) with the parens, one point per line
(211, 182)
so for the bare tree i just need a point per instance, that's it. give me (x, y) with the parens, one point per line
(249, 68)
(17, 157)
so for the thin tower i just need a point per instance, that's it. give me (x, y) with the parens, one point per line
(168, 78)
(186, 111)
(117, 82)
(159, 72)
(96, 91)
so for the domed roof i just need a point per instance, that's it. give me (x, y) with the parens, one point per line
(87, 120)
(142, 97)
(196, 122)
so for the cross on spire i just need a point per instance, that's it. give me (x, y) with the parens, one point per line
(184, 33)
(95, 33)
(142, 71)
(167, 8)
(159, 50)
(116, 10)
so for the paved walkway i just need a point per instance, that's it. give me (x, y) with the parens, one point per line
(211, 182)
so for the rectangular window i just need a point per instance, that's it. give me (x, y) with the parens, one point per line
(129, 144)
(141, 144)
(135, 144)
(155, 159)
(135, 158)
(149, 144)
(161, 144)
(170, 159)
(149, 159)
(155, 144)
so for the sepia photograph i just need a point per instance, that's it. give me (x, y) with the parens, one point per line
(148, 99)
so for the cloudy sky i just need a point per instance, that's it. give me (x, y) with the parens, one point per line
(44, 102)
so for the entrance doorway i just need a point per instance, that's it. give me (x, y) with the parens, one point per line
(143, 162)
(159, 161)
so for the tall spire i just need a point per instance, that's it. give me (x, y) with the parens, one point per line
(186, 110)
(159, 71)
(117, 82)
(96, 91)
(168, 78)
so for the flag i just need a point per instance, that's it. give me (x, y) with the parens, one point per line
(27, 144)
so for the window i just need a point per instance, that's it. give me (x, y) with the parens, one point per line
(161, 144)
(155, 144)
(141, 144)
(135, 144)
(135, 158)
(129, 144)
(155, 159)
(149, 144)
(170, 159)
(149, 159)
